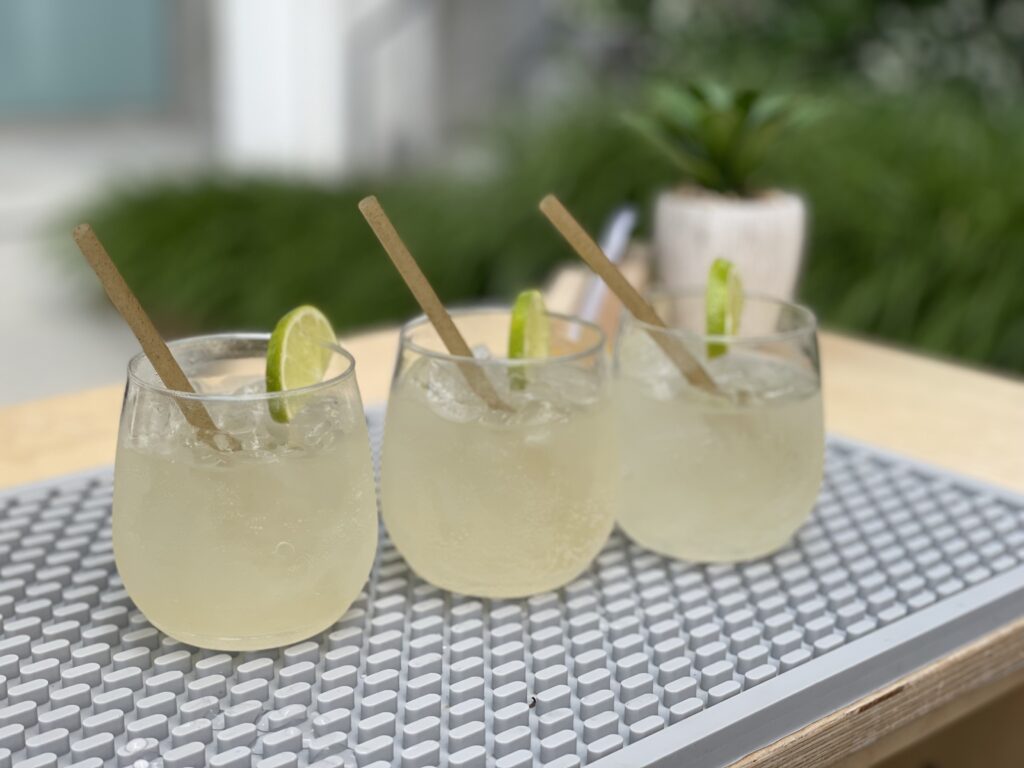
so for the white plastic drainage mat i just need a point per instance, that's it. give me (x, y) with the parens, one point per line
(641, 661)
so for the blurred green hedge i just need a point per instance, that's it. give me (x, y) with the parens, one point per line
(917, 231)
(918, 223)
(223, 253)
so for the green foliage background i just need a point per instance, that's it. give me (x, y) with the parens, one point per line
(917, 232)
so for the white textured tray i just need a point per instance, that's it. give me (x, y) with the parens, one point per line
(642, 661)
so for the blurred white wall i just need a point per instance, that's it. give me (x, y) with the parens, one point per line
(278, 85)
(330, 88)
(325, 88)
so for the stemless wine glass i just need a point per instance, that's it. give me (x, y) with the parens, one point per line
(499, 501)
(719, 478)
(252, 545)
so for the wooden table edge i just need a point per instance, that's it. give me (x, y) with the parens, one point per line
(920, 703)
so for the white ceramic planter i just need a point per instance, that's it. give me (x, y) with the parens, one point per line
(762, 236)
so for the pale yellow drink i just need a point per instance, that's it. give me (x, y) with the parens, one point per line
(251, 548)
(716, 479)
(493, 503)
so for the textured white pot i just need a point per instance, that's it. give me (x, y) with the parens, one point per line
(762, 236)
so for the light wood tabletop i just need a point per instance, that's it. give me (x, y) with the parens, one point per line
(962, 419)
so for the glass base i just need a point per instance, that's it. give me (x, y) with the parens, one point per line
(508, 590)
(254, 643)
(694, 552)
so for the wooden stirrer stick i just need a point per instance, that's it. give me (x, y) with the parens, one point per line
(428, 300)
(591, 253)
(153, 345)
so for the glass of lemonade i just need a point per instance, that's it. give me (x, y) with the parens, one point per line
(499, 502)
(719, 478)
(254, 545)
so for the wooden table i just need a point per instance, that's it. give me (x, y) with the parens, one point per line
(955, 417)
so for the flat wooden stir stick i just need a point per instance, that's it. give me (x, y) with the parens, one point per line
(428, 300)
(153, 345)
(591, 253)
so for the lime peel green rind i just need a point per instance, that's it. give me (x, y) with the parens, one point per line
(298, 355)
(529, 333)
(723, 304)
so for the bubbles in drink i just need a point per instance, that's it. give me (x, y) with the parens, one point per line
(760, 379)
(444, 387)
(318, 424)
(156, 419)
(662, 379)
(493, 502)
(709, 477)
(248, 547)
(553, 393)
(249, 386)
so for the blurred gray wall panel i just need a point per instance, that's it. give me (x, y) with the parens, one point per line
(76, 58)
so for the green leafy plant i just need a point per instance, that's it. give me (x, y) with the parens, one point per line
(715, 136)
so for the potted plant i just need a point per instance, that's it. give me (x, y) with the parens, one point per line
(717, 138)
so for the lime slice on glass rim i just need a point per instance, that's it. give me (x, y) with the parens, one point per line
(723, 304)
(298, 355)
(529, 333)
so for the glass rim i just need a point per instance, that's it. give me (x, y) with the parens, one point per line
(505, 362)
(160, 388)
(808, 321)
